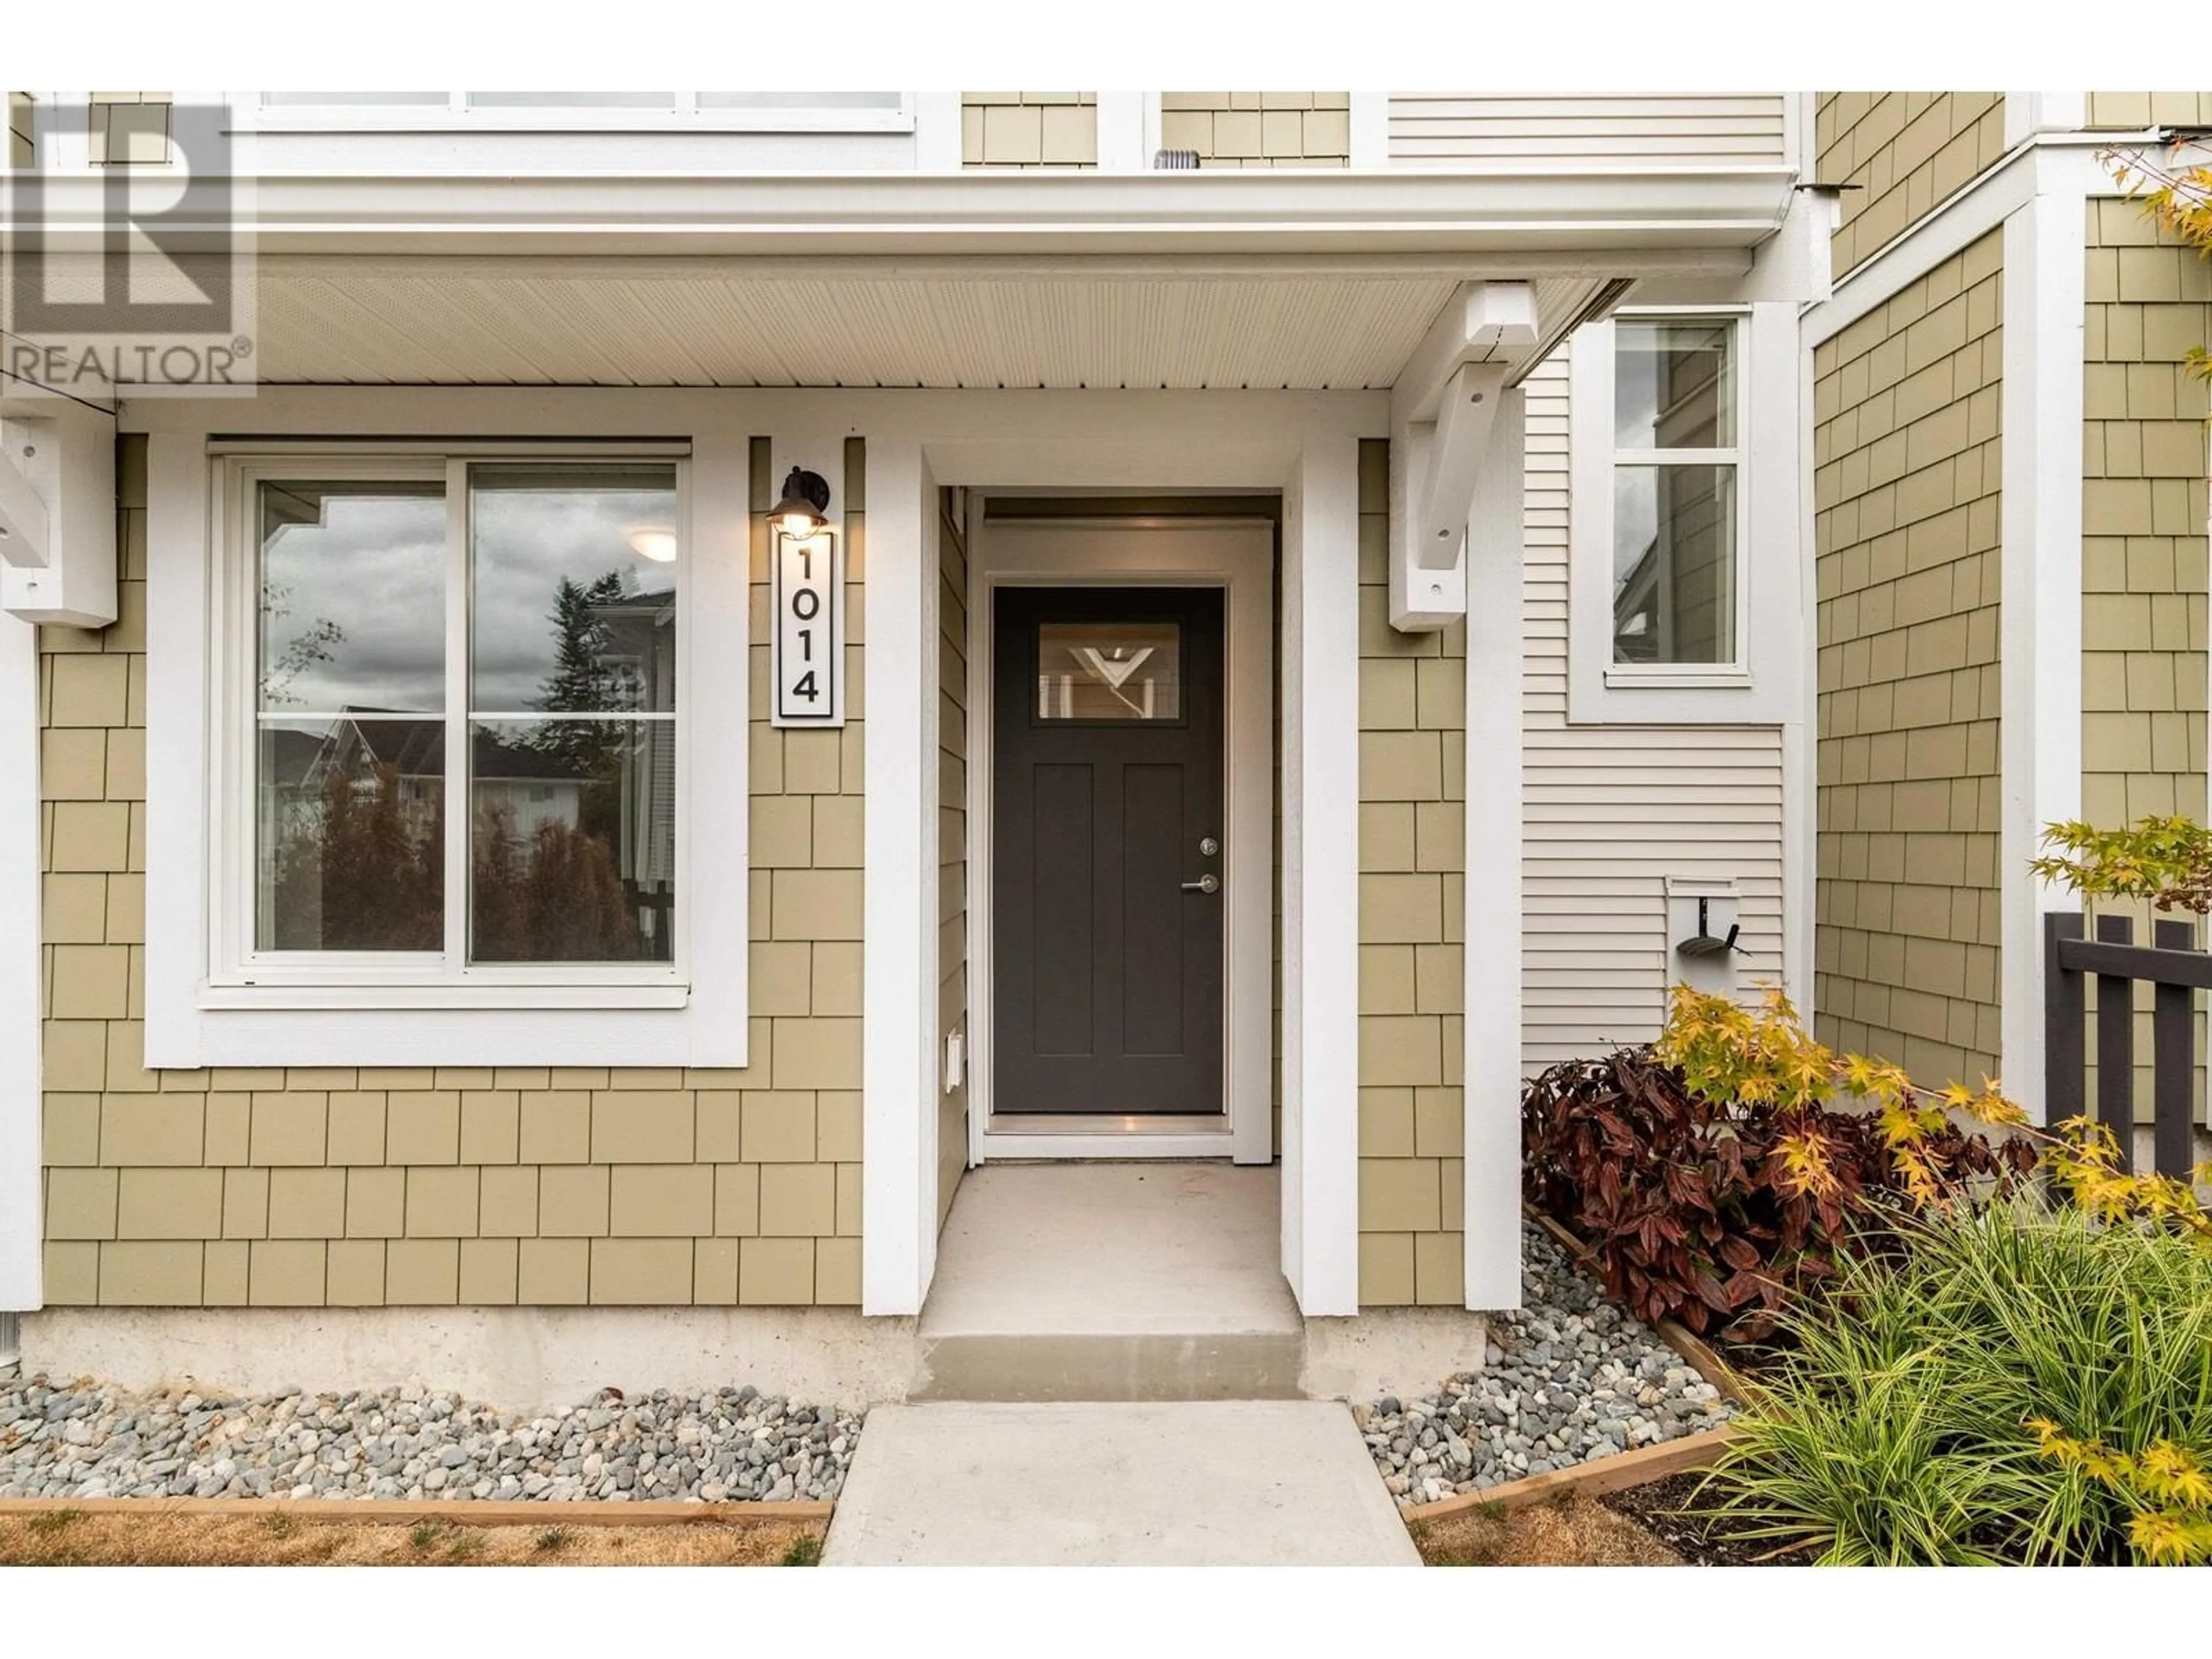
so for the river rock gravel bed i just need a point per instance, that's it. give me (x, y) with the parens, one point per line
(1570, 1378)
(87, 1439)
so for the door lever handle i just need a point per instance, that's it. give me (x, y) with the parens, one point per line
(1203, 884)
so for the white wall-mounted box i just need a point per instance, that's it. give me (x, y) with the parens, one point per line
(57, 512)
(1702, 914)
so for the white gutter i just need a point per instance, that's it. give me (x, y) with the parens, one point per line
(1398, 209)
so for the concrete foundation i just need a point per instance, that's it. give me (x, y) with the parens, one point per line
(1055, 1282)
(1401, 1350)
(524, 1359)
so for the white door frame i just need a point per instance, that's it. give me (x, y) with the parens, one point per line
(1237, 556)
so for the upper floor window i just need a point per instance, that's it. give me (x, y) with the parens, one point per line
(762, 112)
(1677, 581)
(1686, 599)
(456, 694)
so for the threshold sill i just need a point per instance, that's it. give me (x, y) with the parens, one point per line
(1131, 1126)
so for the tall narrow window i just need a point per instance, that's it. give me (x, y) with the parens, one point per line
(463, 743)
(1676, 549)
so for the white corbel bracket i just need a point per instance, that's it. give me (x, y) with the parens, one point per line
(57, 513)
(1442, 412)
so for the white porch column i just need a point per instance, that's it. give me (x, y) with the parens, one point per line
(20, 1206)
(2039, 621)
(1320, 878)
(1492, 1082)
(898, 1154)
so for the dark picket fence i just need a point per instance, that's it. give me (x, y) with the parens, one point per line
(2173, 964)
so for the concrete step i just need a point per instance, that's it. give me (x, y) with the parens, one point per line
(1247, 1483)
(1111, 1282)
(1226, 1365)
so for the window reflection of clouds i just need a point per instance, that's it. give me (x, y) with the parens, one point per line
(524, 541)
(352, 601)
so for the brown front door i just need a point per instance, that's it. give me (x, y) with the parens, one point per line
(1107, 826)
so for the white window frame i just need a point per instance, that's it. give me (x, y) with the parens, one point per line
(211, 1002)
(249, 113)
(238, 974)
(1758, 685)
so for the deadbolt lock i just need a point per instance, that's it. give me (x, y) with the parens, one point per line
(1208, 845)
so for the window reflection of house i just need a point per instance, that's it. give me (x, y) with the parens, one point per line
(533, 786)
(638, 632)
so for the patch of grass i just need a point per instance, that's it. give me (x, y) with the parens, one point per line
(280, 1525)
(805, 1551)
(50, 1521)
(554, 1540)
(424, 1535)
(1571, 1532)
(464, 1545)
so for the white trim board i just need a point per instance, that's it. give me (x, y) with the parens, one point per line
(1238, 557)
(1490, 1080)
(2040, 618)
(899, 1078)
(22, 1212)
(1321, 880)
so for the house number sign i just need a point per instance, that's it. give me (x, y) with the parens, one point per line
(810, 630)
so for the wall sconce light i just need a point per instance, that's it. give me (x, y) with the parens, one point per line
(654, 544)
(805, 501)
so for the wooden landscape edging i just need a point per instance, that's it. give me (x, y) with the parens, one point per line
(400, 1512)
(1635, 1469)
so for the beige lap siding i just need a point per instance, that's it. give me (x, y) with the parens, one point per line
(1906, 151)
(1412, 854)
(2143, 548)
(1611, 810)
(1599, 130)
(1259, 128)
(340, 1186)
(1029, 129)
(1906, 415)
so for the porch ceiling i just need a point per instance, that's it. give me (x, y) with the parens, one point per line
(1303, 326)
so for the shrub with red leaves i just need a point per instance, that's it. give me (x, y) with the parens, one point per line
(1690, 1212)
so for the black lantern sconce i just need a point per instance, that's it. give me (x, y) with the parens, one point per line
(802, 511)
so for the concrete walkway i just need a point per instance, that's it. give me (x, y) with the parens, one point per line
(1204, 1483)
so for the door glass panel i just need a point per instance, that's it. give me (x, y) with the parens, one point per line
(1109, 671)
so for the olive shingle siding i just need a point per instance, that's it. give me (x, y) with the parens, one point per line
(343, 1185)
(1906, 151)
(1907, 402)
